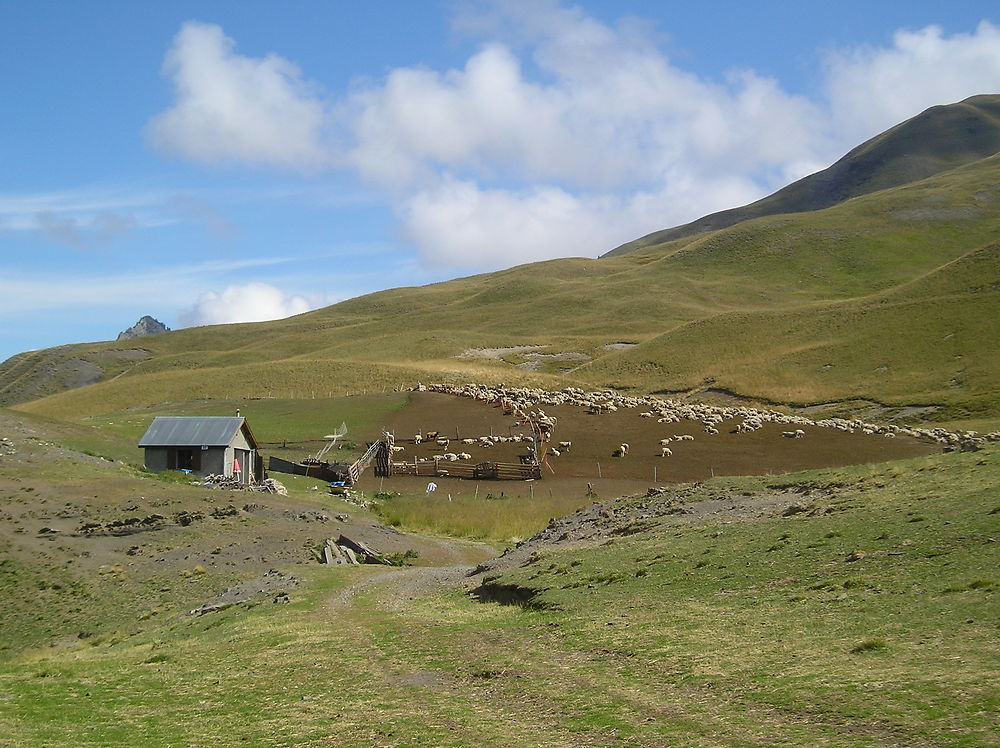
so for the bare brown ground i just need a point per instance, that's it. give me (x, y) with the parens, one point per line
(595, 437)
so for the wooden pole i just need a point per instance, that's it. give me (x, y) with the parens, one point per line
(599, 471)
(654, 473)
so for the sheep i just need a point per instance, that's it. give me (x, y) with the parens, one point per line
(443, 442)
(417, 438)
(665, 442)
(683, 438)
(620, 451)
(554, 452)
(468, 441)
(464, 456)
(665, 452)
(565, 445)
(396, 448)
(432, 435)
(450, 456)
(711, 430)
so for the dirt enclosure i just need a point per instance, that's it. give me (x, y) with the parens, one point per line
(595, 437)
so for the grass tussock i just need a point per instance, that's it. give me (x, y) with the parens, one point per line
(869, 645)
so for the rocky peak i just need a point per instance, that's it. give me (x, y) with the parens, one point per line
(145, 326)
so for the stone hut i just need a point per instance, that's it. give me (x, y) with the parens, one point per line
(203, 446)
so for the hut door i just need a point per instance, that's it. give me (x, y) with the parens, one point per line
(243, 460)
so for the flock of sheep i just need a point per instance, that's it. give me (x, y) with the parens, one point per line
(523, 400)
(444, 442)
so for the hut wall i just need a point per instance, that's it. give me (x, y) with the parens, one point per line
(156, 459)
(213, 461)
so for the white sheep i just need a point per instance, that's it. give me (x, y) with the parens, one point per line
(665, 452)
(565, 445)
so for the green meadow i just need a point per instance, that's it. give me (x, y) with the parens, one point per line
(873, 623)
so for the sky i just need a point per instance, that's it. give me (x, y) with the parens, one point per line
(213, 162)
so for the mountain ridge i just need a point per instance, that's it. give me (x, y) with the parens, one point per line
(908, 152)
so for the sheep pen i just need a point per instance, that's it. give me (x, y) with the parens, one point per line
(493, 424)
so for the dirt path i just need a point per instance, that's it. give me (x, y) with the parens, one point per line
(397, 586)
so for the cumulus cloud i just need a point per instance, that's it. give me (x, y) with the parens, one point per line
(870, 89)
(234, 108)
(461, 223)
(560, 135)
(252, 302)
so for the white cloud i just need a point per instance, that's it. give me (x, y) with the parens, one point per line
(75, 217)
(230, 107)
(560, 135)
(460, 224)
(26, 293)
(870, 89)
(252, 302)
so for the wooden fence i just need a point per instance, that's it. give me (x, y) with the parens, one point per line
(482, 471)
(372, 453)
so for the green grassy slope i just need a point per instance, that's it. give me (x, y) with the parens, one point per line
(868, 619)
(826, 296)
(940, 138)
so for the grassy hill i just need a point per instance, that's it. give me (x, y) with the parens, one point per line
(938, 139)
(887, 297)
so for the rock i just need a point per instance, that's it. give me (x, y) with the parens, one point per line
(145, 326)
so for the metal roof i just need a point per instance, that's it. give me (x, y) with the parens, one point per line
(183, 431)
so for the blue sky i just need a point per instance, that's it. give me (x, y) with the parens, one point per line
(209, 162)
